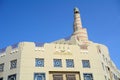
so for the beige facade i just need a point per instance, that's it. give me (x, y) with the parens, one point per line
(72, 58)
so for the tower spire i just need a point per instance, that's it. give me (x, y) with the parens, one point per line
(80, 33)
(77, 20)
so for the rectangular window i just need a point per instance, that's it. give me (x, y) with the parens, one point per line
(105, 77)
(99, 49)
(39, 62)
(83, 47)
(70, 77)
(86, 63)
(12, 77)
(88, 76)
(57, 77)
(2, 67)
(1, 78)
(103, 66)
(69, 63)
(39, 76)
(57, 63)
(114, 76)
(13, 64)
(103, 57)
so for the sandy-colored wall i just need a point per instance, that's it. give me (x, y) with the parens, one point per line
(27, 52)
(9, 55)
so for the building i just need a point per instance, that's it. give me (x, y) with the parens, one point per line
(71, 58)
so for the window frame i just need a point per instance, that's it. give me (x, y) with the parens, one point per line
(43, 75)
(2, 68)
(88, 74)
(1, 78)
(86, 64)
(58, 76)
(41, 62)
(13, 75)
(70, 61)
(11, 62)
(59, 61)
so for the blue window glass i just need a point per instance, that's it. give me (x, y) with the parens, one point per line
(86, 63)
(39, 62)
(39, 76)
(57, 63)
(13, 64)
(88, 76)
(2, 67)
(69, 63)
(1, 78)
(12, 77)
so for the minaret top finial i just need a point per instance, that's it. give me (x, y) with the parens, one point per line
(76, 10)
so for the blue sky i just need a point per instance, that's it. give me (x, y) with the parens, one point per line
(38, 20)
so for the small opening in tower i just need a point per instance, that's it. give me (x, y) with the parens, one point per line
(76, 12)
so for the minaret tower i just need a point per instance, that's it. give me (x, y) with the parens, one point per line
(80, 34)
(77, 20)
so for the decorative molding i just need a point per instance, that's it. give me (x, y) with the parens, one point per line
(39, 49)
(63, 52)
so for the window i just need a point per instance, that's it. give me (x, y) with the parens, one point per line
(69, 63)
(105, 77)
(57, 77)
(86, 63)
(2, 67)
(99, 49)
(12, 77)
(103, 57)
(39, 76)
(70, 77)
(1, 78)
(84, 47)
(39, 62)
(13, 64)
(57, 63)
(103, 66)
(88, 76)
(115, 77)
(106, 60)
